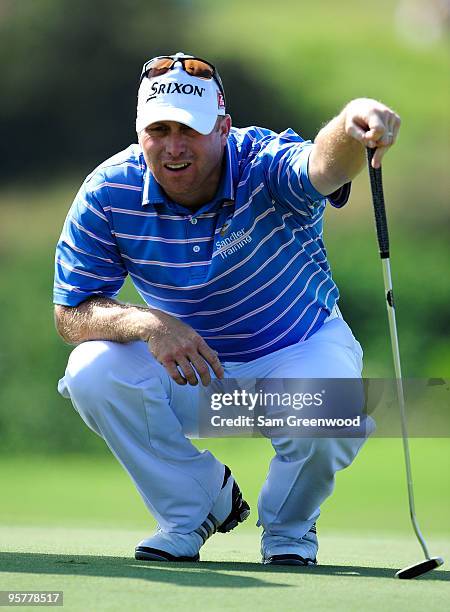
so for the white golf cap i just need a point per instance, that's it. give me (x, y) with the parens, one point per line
(178, 96)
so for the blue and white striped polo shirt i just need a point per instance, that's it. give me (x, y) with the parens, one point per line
(248, 270)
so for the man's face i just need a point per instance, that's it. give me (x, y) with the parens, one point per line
(185, 163)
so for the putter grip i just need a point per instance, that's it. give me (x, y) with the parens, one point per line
(376, 185)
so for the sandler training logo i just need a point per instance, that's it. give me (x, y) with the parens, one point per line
(235, 241)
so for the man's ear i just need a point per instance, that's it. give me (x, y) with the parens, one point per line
(225, 127)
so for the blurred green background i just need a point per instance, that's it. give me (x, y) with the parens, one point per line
(69, 72)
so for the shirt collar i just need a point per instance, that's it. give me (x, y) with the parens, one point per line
(153, 194)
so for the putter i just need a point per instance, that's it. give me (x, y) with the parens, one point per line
(376, 186)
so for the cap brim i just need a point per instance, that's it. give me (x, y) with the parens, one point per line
(203, 123)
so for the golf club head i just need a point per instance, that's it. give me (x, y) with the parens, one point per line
(419, 568)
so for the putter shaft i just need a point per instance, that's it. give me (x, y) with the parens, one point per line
(376, 185)
(401, 399)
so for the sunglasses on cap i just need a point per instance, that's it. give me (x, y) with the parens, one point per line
(194, 66)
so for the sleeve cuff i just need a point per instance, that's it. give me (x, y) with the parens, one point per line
(340, 197)
(337, 199)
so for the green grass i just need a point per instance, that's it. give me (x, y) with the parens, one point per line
(370, 496)
(96, 571)
(71, 523)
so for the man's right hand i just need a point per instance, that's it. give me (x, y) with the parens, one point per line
(181, 350)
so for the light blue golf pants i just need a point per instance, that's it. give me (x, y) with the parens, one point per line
(126, 397)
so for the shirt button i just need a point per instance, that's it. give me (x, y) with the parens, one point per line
(196, 249)
(194, 221)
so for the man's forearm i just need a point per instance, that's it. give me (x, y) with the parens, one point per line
(175, 345)
(339, 148)
(103, 318)
(336, 157)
